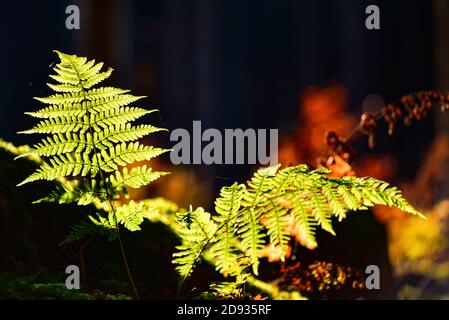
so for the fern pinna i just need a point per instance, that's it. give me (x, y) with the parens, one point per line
(90, 143)
(261, 212)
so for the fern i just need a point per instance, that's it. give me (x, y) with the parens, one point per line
(259, 213)
(197, 230)
(91, 140)
(89, 144)
(225, 250)
(84, 230)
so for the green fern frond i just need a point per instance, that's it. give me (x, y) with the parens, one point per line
(130, 215)
(91, 140)
(123, 154)
(133, 214)
(114, 102)
(136, 178)
(197, 229)
(250, 228)
(123, 133)
(227, 290)
(225, 250)
(112, 117)
(266, 208)
(66, 88)
(68, 142)
(109, 223)
(77, 110)
(84, 230)
(63, 166)
(81, 193)
(60, 125)
(96, 94)
(277, 217)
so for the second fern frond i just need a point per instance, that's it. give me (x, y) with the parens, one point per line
(251, 216)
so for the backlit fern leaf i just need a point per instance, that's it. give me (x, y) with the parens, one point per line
(274, 203)
(197, 230)
(250, 228)
(123, 154)
(80, 192)
(136, 178)
(276, 217)
(91, 141)
(123, 133)
(133, 214)
(90, 95)
(225, 250)
(130, 215)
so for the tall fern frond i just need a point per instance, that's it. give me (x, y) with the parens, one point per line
(91, 140)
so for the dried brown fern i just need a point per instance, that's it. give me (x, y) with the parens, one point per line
(414, 106)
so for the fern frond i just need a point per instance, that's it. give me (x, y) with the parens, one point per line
(321, 210)
(96, 94)
(97, 121)
(112, 117)
(250, 228)
(123, 154)
(82, 193)
(277, 218)
(196, 230)
(84, 230)
(123, 133)
(65, 87)
(274, 199)
(88, 74)
(77, 110)
(133, 214)
(136, 178)
(225, 250)
(84, 142)
(58, 144)
(228, 290)
(114, 102)
(96, 79)
(90, 95)
(305, 222)
(60, 125)
(62, 166)
(109, 223)
(90, 134)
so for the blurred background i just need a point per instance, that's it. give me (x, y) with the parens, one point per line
(304, 67)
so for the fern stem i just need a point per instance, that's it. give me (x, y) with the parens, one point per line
(122, 249)
(125, 261)
(108, 195)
